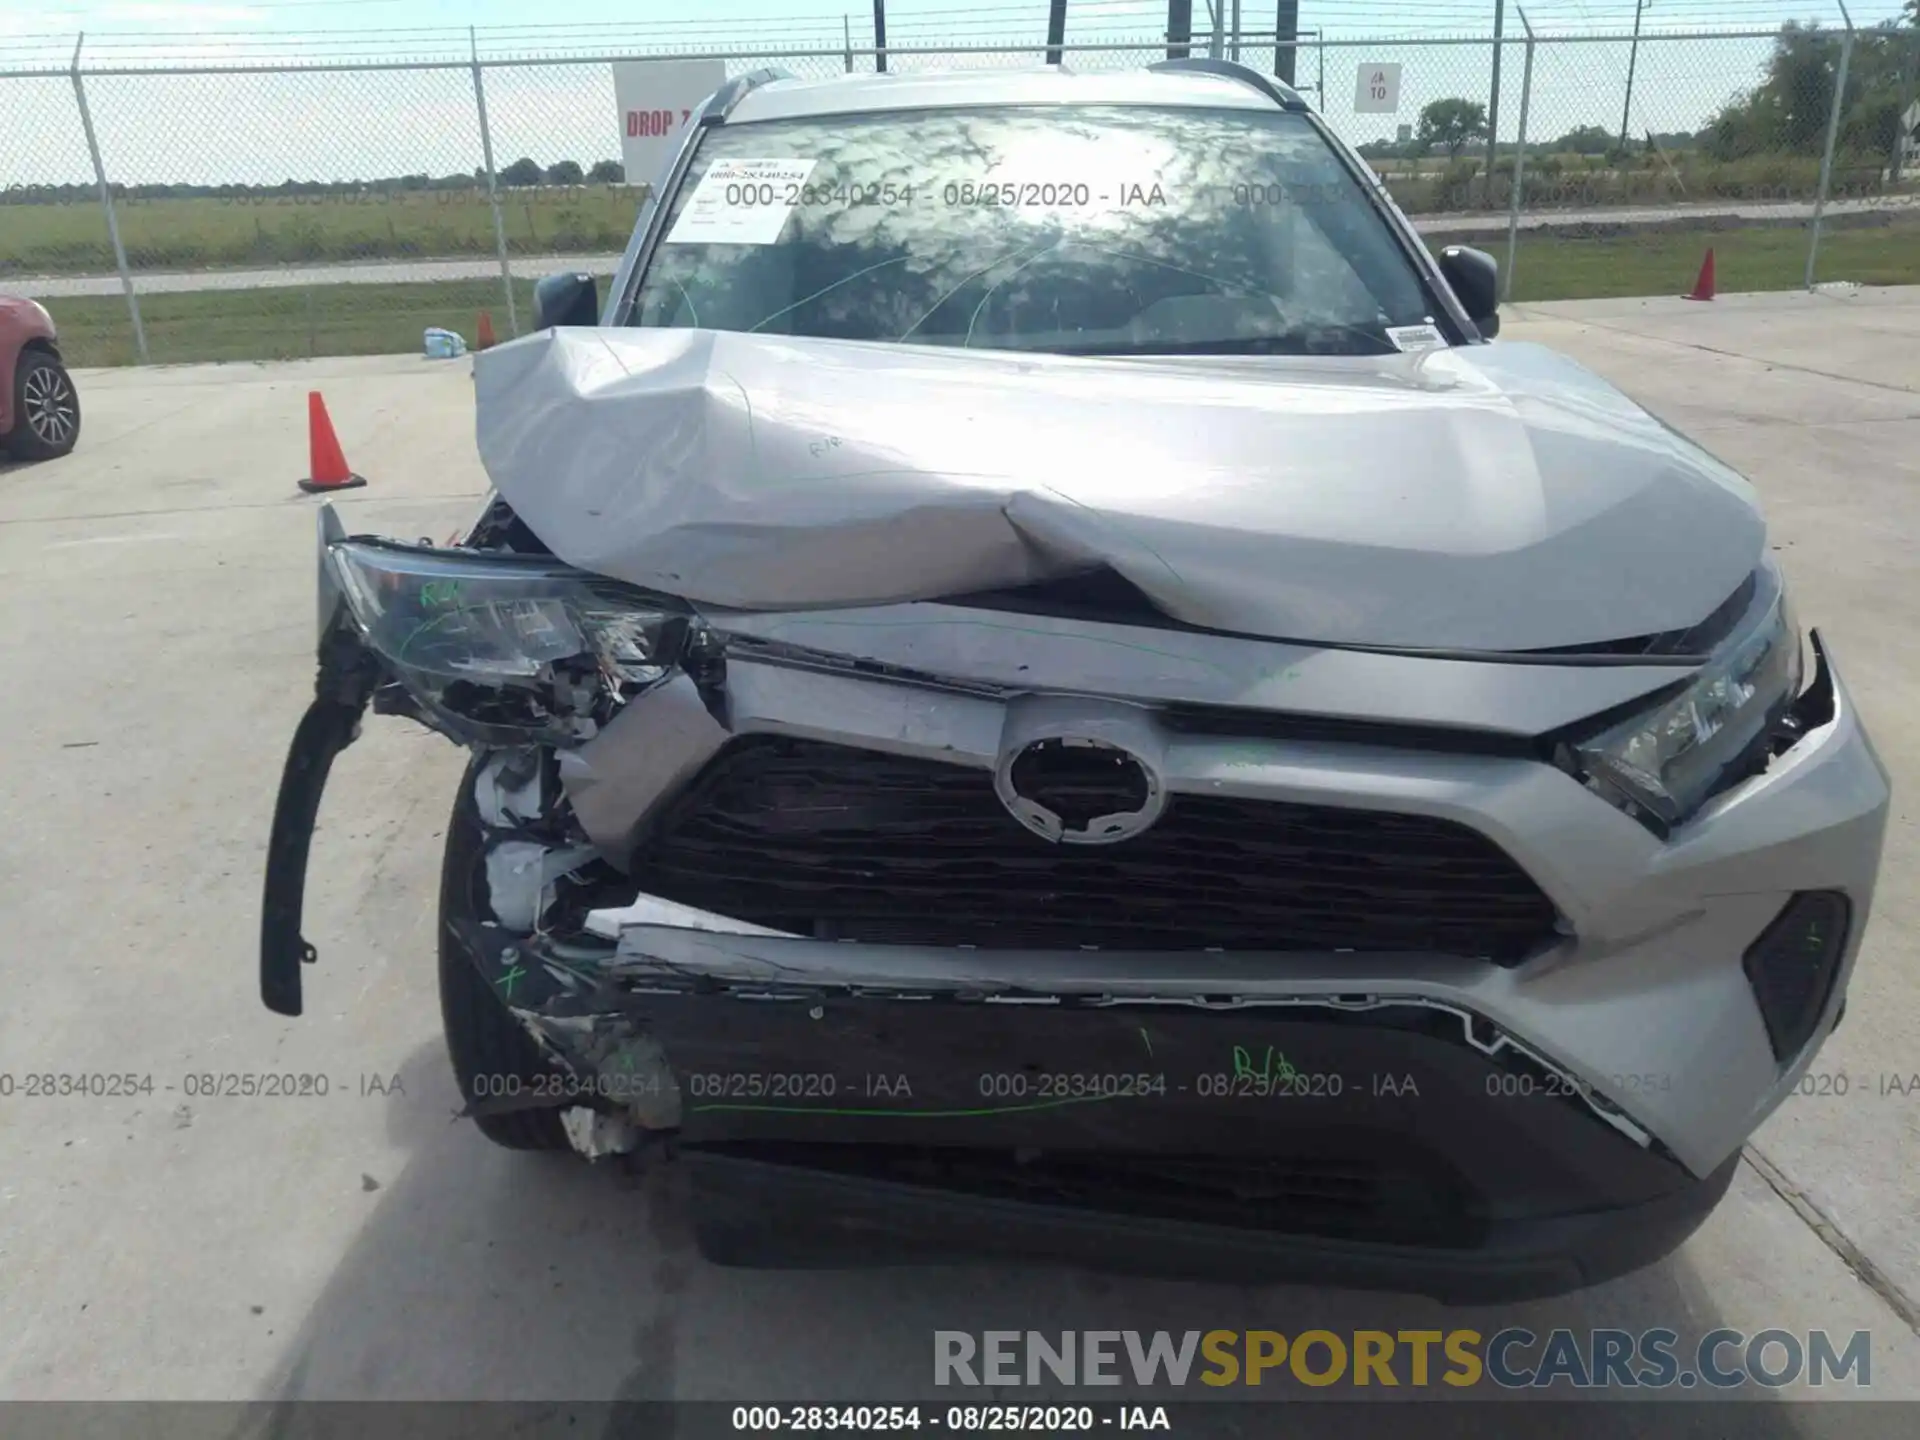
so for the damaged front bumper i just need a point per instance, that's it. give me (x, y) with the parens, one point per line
(1165, 1114)
(1502, 1040)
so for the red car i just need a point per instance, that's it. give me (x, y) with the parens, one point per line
(39, 408)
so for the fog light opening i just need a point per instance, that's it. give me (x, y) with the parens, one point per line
(1792, 967)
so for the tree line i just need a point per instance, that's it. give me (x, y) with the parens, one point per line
(1785, 114)
(523, 174)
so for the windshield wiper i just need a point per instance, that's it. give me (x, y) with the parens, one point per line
(1293, 344)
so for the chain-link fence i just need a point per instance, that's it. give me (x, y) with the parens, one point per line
(267, 211)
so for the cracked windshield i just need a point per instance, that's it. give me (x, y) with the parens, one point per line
(1103, 231)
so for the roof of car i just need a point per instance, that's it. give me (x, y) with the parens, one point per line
(1038, 85)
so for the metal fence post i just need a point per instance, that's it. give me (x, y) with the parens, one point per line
(1833, 134)
(1493, 95)
(1519, 159)
(1633, 61)
(106, 204)
(493, 190)
(846, 39)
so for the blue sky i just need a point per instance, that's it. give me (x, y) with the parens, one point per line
(161, 28)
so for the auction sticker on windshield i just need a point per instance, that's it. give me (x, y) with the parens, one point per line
(1415, 337)
(742, 202)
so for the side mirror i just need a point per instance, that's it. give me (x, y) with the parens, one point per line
(1475, 278)
(567, 299)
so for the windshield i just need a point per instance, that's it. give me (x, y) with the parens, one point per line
(1089, 230)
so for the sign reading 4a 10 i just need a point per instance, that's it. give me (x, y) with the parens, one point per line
(1376, 90)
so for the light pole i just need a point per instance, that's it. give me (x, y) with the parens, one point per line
(1633, 57)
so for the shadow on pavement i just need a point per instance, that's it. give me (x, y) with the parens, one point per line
(487, 1275)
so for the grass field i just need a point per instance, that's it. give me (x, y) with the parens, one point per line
(1561, 267)
(71, 239)
(1553, 181)
(289, 323)
(281, 324)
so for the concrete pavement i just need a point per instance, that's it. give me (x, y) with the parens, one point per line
(361, 1244)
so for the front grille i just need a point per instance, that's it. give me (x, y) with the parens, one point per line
(847, 844)
(1337, 1191)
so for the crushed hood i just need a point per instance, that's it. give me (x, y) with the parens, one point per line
(1492, 497)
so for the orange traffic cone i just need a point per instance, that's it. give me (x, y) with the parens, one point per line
(326, 465)
(483, 338)
(1703, 287)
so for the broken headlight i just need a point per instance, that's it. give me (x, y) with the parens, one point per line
(1665, 763)
(506, 645)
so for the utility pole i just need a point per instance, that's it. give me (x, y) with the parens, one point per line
(1903, 137)
(880, 36)
(1056, 29)
(1633, 57)
(1286, 38)
(1179, 29)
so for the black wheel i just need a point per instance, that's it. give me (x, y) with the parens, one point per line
(46, 408)
(482, 1038)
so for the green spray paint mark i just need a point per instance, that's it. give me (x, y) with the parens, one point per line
(1273, 1065)
(505, 982)
(1144, 1040)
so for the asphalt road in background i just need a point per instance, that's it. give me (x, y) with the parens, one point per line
(159, 590)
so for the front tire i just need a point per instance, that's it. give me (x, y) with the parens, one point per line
(46, 408)
(483, 1038)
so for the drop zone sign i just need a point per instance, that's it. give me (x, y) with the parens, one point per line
(656, 99)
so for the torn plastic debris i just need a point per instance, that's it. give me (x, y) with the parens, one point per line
(1397, 500)
(652, 910)
(509, 789)
(520, 876)
(597, 1134)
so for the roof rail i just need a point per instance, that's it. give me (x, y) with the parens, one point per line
(1284, 95)
(736, 90)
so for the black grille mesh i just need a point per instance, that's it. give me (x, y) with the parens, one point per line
(839, 843)
(1344, 1191)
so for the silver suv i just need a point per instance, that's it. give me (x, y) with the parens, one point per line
(1038, 688)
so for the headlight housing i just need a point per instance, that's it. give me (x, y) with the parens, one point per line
(1663, 764)
(505, 645)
